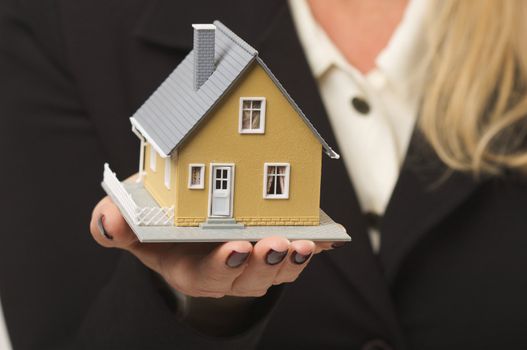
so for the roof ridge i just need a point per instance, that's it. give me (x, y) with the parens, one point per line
(174, 110)
(235, 38)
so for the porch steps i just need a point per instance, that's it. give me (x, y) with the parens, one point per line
(221, 223)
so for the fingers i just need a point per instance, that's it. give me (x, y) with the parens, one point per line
(108, 226)
(211, 275)
(321, 246)
(300, 254)
(109, 229)
(237, 268)
(264, 264)
(209, 270)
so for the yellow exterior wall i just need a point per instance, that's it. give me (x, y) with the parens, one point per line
(155, 180)
(287, 139)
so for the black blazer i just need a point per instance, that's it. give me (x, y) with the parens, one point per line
(450, 273)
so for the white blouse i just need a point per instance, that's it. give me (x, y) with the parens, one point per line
(373, 114)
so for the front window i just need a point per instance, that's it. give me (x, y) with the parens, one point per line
(252, 115)
(276, 184)
(195, 176)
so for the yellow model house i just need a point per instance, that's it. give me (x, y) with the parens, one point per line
(223, 142)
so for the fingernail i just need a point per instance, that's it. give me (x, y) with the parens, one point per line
(236, 259)
(100, 225)
(273, 257)
(337, 244)
(298, 258)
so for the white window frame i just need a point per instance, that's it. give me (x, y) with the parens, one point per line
(284, 195)
(201, 184)
(168, 170)
(153, 158)
(260, 130)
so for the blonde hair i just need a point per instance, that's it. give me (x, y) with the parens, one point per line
(474, 108)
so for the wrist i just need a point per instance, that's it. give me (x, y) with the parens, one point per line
(214, 316)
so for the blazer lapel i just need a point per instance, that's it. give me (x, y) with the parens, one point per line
(281, 50)
(426, 192)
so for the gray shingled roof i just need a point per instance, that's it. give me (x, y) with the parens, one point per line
(174, 110)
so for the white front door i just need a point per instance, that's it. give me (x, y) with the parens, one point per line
(221, 190)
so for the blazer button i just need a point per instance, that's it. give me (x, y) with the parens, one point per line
(360, 105)
(376, 344)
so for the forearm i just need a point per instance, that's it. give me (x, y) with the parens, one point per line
(135, 310)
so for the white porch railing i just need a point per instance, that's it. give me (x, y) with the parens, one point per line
(142, 216)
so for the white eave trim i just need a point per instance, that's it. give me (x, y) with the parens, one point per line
(332, 154)
(138, 127)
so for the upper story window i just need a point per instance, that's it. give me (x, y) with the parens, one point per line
(252, 115)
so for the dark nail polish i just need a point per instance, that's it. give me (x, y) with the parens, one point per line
(100, 225)
(337, 244)
(273, 257)
(236, 259)
(298, 258)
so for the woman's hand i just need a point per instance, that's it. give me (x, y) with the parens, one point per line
(234, 268)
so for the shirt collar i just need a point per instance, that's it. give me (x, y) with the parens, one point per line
(320, 51)
(397, 61)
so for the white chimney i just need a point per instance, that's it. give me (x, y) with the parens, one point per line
(204, 41)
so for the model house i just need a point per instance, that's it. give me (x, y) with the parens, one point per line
(222, 143)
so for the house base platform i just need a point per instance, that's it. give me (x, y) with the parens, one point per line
(328, 230)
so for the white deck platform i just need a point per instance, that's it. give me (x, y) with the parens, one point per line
(328, 230)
